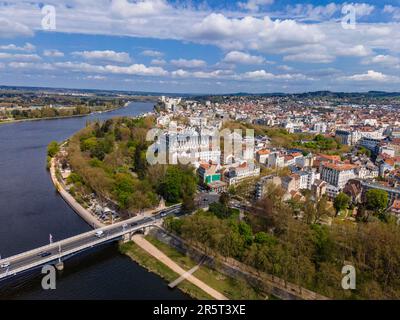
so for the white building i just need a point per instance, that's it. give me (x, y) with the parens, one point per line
(276, 160)
(337, 174)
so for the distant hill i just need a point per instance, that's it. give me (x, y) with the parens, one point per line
(314, 94)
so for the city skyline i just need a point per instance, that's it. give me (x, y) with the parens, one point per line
(217, 47)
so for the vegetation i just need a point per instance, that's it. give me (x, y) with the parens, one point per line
(153, 265)
(52, 148)
(341, 202)
(275, 239)
(110, 158)
(232, 288)
(376, 200)
(280, 137)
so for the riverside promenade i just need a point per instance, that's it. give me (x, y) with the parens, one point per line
(81, 211)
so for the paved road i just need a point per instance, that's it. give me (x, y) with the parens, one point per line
(204, 199)
(67, 247)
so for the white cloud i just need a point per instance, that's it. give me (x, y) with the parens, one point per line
(134, 69)
(19, 57)
(219, 74)
(152, 53)
(158, 62)
(264, 75)
(383, 60)
(96, 78)
(363, 9)
(180, 73)
(30, 66)
(372, 75)
(394, 11)
(189, 64)
(238, 57)
(53, 53)
(285, 68)
(310, 57)
(215, 74)
(11, 29)
(106, 55)
(138, 8)
(254, 5)
(355, 51)
(313, 12)
(137, 69)
(258, 75)
(325, 12)
(26, 47)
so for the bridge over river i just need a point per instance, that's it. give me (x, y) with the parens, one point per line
(57, 252)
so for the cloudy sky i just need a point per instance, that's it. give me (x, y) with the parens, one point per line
(207, 46)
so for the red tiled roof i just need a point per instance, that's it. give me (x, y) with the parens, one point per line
(339, 166)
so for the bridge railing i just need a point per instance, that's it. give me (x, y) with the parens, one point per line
(67, 240)
(70, 251)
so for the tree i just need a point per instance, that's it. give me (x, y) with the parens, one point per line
(52, 148)
(188, 204)
(376, 200)
(224, 199)
(341, 202)
(323, 210)
(178, 181)
(246, 232)
(263, 237)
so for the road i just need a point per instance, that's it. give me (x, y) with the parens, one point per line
(67, 247)
(204, 199)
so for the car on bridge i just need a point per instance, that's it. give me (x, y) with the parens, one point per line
(99, 233)
(5, 265)
(44, 254)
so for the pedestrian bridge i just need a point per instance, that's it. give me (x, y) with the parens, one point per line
(59, 251)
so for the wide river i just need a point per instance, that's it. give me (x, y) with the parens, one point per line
(30, 210)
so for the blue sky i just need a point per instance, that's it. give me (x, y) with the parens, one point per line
(201, 46)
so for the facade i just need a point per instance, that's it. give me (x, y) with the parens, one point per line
(318, 188)
(261, 186)
(276, 160)
(337, 174)
(233, 175)
(369, 143)
(262, 156)
(208, 173)
(332, 191)
(291, 183)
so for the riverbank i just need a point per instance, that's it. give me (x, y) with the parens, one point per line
(153, 265)
(218, 286)
(81, 211)
(64, 117)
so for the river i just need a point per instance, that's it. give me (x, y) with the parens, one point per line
(30, 210)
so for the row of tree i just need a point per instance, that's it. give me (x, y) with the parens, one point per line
(276, 239)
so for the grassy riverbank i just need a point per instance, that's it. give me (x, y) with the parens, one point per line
(232, 288)
(145, 260)
(62, 117)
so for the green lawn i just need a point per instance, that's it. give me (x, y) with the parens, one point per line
(153, 265)
(234, 289)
